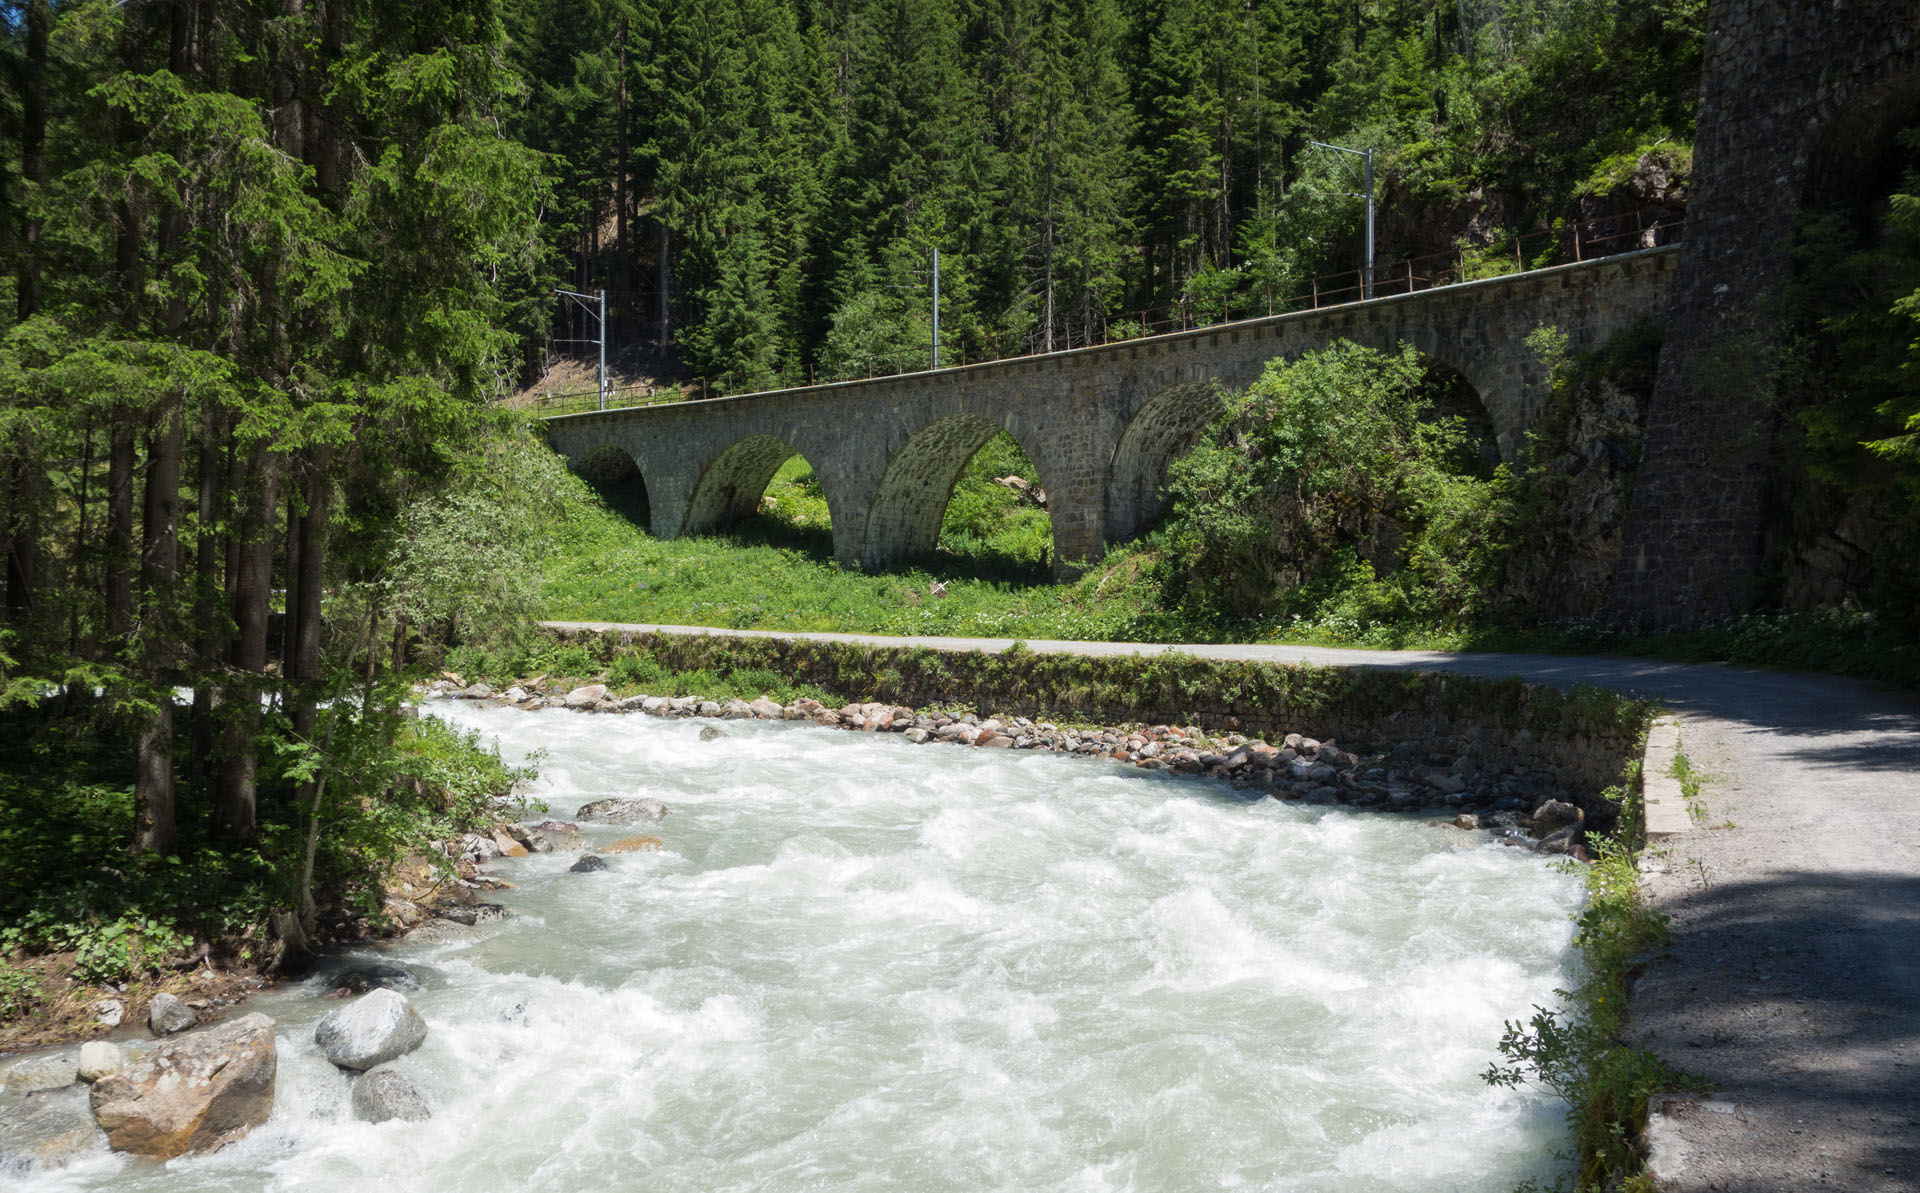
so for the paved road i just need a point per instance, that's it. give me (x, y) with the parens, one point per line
(1793, 979)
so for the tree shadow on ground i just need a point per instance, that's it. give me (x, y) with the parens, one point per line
(1799, 991)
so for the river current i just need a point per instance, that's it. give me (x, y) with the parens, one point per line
(864, 965)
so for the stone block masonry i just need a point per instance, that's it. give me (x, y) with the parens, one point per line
(1579, 743)
(1799, 105)
(1100, 424)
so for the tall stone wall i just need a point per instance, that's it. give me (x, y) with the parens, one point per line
(1799, 101)
(1099, 424)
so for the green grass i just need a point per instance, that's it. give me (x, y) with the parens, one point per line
(775, 571)
(1578, 1052)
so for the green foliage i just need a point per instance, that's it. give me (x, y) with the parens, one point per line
(1333, 489)
(468, 555)
(64, 817)
(20, 993)
(1578, 1053)
(1854, 382)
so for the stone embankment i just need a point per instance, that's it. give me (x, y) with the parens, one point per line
(1474, 788)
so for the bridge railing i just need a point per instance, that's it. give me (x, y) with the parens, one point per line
(1564, 244)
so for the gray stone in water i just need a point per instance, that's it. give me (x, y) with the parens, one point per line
(441, 931)
(371, 1030)
(587, 864)
(48, 1129)
(362, 978)
(41, 1073)
(1324, 795)
(384, 1094)
(1555, 815)
(710, 732)
(478, 691)
(586, 696)
(623, 811)
(166, 1015)
(709, 708)
(98, 1058)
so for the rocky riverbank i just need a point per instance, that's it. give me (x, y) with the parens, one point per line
(1472, 788)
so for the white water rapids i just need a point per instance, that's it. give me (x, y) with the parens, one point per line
(865, 965)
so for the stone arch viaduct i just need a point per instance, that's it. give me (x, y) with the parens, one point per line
(1100, 424)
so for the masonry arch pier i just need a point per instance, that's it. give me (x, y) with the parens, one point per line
(1099, 424)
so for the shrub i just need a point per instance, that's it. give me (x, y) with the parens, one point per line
(1334, 480)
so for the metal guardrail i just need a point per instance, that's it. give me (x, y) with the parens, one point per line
(1565, 245)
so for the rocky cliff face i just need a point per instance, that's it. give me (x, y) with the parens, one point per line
(1585, 455)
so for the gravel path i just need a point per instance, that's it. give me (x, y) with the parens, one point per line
(1793, 979)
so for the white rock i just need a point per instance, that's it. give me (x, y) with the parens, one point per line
(99, 1058)
(371, 1030)
(586, 695)
(110, 1011)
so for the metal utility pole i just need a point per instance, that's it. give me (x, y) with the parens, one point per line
(936, 306)
(599, 312)
(1367, 273)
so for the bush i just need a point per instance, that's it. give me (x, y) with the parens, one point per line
(1333, 483)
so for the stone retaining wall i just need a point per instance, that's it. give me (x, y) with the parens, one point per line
(1578, 743)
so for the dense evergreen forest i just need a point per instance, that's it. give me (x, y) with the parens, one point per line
(760, 184)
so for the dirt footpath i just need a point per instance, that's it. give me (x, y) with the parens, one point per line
(1793, 979)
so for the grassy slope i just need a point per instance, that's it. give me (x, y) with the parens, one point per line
(776, 572)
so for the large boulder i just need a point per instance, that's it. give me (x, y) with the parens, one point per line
(623, 811)
(384, 1094)
(371, 1030)
(166, 1015)
(193, 1093)
(41, 1073)
(46, 1129)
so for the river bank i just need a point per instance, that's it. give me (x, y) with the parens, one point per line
(1471, 787)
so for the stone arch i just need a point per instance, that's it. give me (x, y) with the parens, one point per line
(1854, 146)
(616, 476)
(1452, 394)
(911, 500)
(730, 486)
(1166, 424)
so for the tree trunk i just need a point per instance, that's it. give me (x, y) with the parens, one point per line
(33, 156)
(306, 576)
(207, 587)
(623, 247)
(666, 277)
(153, 823)
(118, 566)
(237, 797)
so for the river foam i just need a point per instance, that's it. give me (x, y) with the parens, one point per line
(858, 965)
